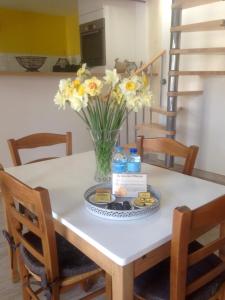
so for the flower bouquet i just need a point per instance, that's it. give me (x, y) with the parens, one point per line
(103, 105)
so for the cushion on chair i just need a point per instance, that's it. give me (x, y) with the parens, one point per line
(154, 284)
(71, 260)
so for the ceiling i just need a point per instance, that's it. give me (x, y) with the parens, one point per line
(55, 7)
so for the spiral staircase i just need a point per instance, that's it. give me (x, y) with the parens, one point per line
(177, 30)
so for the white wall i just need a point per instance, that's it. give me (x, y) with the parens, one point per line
(27, 106)
(126, 31)
(90, 10)
(201, 120)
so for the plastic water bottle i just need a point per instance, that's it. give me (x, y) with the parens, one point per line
(119, 160)
(134, 161)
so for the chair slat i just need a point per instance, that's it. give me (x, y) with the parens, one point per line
(31, 249)
(25, 221)
(31, 293)
(205, 278)
(203, 219)
(205, 251)
(40, 140)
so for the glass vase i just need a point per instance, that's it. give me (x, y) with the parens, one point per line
(104, 142)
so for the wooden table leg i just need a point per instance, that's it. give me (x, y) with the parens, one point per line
(122, 282)
(108, 286)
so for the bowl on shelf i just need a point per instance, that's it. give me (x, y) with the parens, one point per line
(31, 63)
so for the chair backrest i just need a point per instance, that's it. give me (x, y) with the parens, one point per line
(36, 201)
(187, 226)
(38, 140)
(169, 147)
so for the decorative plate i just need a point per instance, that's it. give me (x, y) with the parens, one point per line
(122, 215)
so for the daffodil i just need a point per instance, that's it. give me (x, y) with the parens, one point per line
(83, 71)
(60, 100)
(63, 93)
(111, 77)
(117, 95)
(129, 86)
(93, 86)
(77, 101)
(147, 98)
(76, 83)
(63, 83)
(146, 80)
(134, 103)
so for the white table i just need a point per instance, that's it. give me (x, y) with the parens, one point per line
(123, 249)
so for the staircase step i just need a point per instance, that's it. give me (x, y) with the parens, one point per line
(185, 93)
(203, 26)
(192, 3)
(163, 111)
(155, 127)
(197, 73)
(219, 50)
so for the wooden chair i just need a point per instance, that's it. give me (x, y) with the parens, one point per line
(43, 255)
(13, 261)
(169, 147)
(196, 272)
(38, 140)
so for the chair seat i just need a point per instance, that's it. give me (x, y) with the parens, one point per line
(154, 284)
(71, 261)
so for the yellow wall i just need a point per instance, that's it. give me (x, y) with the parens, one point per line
(38, 34)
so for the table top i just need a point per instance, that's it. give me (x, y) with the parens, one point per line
(123, 242)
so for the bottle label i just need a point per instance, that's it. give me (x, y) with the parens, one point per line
(118, 167)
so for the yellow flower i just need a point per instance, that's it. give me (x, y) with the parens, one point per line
(117, 95)
(81, 90)
(93, 86)
(146, 81)
(130, 86)
(76, 83)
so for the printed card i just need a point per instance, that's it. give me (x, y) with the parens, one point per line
(128, 185)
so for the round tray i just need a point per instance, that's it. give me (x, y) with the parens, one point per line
(134, 213)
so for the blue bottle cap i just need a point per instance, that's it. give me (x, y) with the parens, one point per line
(133, 150)
(119, 148)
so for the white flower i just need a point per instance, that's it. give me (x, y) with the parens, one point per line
(60, 100)
(63, 83)
(77, 102)
(111, 77)
(83, 71)
(147, 98)
(134, 103)
(129, 86)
